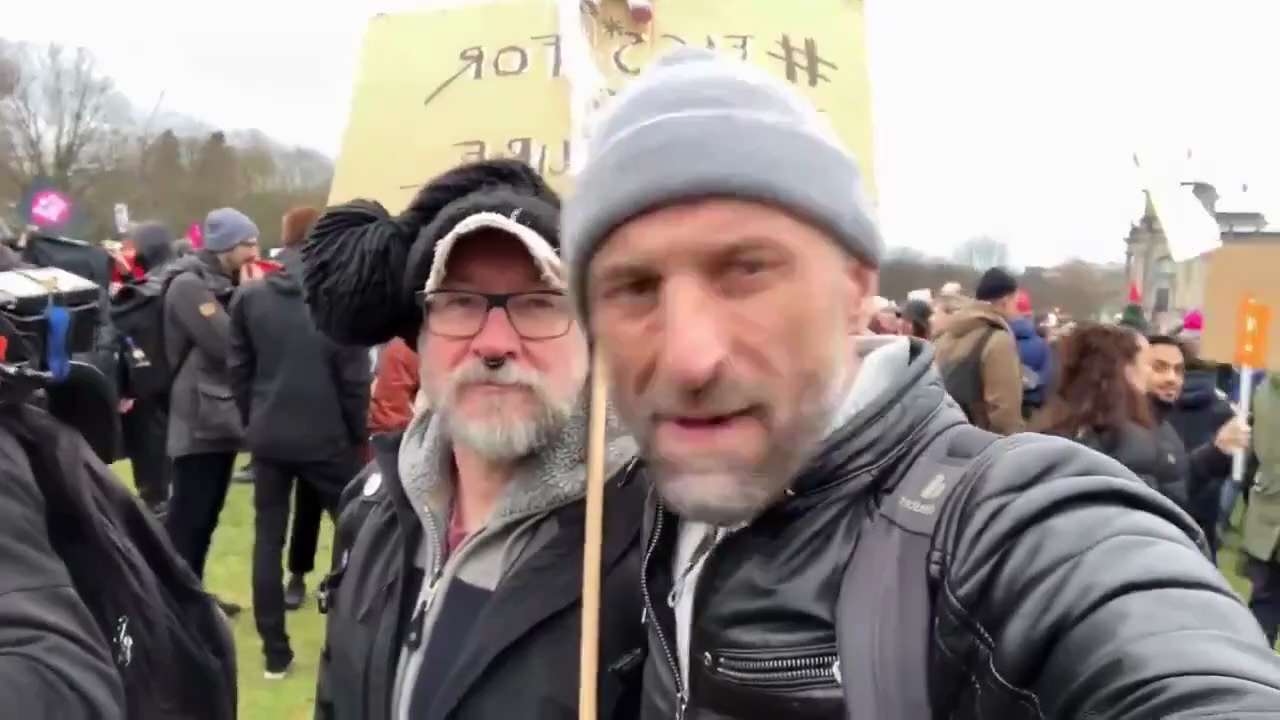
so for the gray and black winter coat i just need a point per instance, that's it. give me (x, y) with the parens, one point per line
(491, 648)
(197, 335)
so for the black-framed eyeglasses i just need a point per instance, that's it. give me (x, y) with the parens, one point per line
(461, 314)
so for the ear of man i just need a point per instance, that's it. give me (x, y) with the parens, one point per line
(860, 282)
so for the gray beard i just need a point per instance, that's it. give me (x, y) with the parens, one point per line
(500, 438)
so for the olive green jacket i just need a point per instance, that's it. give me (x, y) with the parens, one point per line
(1262, 520)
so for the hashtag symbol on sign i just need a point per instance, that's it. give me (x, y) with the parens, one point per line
(806, 61)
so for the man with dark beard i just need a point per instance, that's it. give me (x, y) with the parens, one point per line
(457, 586)
(1203, 424)
(829, 538)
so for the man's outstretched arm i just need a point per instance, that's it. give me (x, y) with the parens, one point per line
(1077, 591)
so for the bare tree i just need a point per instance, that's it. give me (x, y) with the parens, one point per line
(982, 252)
(55, 119)
(8, 71)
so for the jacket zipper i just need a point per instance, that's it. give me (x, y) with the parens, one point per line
(776, 670)
(417, 623)
(681, 697)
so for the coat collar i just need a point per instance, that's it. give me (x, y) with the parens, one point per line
(897, 405)
(551, 478)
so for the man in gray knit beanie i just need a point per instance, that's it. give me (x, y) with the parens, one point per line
(815, 486)
(719, 178)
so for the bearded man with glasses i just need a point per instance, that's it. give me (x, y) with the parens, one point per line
(456, 586)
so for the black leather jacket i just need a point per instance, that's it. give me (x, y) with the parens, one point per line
(1056, 585)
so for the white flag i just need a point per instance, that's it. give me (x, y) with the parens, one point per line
(1189, 229)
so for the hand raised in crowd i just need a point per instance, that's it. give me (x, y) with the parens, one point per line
(1233, 436)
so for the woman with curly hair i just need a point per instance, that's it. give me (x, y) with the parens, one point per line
(1101, 401)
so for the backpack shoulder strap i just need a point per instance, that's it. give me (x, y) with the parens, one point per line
(885, 605)
(985, 340)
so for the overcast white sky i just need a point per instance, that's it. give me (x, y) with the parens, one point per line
(1015, 118)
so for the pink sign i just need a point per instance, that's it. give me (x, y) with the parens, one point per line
(49, 207)
(196, 236)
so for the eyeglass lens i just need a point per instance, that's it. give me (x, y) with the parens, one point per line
(533, 315)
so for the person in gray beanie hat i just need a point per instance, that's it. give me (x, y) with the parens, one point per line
(205, 430)
(828, 535)
(226, 229)
(694, 126)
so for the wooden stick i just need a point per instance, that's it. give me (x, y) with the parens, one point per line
(589, 668)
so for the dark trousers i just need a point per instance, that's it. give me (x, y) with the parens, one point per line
(304, 531)
(145, 428)
(1264, 601)
(1208, 522)
(199, 491)
(272, 485)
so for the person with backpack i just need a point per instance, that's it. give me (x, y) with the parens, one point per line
(1034, 354)
(205, 430)
(99, 618)
(827, 537)
(978, 356)
(144, 416)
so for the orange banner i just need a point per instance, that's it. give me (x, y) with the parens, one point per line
(1251, 333)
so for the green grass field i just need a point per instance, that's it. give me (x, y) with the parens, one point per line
(228, 576)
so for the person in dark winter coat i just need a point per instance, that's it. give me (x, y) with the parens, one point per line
(457, 586)
(205, 430)
(1036, 357)
(145, 421)
(154, 244)
(67, 674)
(302, 400)
(827, 537)
(99, 617)
(1186, 398)
(1101, 402)
(308, 503)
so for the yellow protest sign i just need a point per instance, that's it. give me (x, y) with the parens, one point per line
(435, 89)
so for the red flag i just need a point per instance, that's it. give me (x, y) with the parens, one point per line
(1135, 295)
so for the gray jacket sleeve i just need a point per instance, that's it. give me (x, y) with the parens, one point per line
(200, 316)
(53, 662)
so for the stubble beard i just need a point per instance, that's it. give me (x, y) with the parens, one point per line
(728, 494)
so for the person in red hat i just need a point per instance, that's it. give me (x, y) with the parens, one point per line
(1034, 353)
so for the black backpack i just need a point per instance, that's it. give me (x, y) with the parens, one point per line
(962, 378)
(887, 601)
(172, 647)
(137, 312)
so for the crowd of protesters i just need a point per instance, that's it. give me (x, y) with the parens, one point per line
(1148, 400)
(818, 503)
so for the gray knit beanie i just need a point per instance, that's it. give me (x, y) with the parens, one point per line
(698, 125)
(225, 228)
